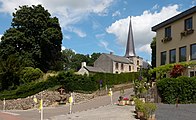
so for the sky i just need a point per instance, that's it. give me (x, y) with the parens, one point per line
(101, 26)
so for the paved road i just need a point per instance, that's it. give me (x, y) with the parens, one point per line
(109, 112)
(64, 110)
(8, 116)
(171, 112)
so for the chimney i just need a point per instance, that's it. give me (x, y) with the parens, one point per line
(83, 64)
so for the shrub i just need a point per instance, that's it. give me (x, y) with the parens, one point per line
(181, 88)
(29, 74)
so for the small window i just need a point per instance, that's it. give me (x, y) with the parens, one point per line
(138, 62)
(129, 68)
(193, 51)
(122, 66)
(168, 32)
(116, 65)
(182, 54)
(188, 24)
(172, 56)
(163, 58)
(192, 73)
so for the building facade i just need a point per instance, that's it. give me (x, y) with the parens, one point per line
(176, 40)
(110, 63)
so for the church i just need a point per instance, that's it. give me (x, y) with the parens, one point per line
(110, 63)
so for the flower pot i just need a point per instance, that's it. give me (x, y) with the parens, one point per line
(122, 103)
(127, 102)
(140, 114)
(152, 117)
(132, 102)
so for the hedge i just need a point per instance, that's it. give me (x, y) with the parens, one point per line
(182, 89)
(71, 82)
(29, 89)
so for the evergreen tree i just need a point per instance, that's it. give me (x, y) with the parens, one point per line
(34, 36)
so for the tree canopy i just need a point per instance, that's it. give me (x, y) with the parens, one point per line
(35, 37)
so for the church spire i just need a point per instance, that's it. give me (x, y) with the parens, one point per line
(130, 49)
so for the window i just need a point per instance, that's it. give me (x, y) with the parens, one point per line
(138, 62)
(172, 56)
(163, 58)
(192, 73)
(122, 66)
(188, 24)
(129, 68)
(116, 65)
(193, 52)
(168, 32)
(182, 54)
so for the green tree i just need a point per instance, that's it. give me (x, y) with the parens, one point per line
(153, 57)
(93, 58)
(9, 72)
(34, 36)
(67, 56)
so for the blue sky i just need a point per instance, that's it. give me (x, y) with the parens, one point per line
(90, 26)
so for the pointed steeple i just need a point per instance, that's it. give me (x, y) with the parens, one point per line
(130, 49)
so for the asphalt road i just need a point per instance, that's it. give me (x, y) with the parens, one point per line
(49, 112)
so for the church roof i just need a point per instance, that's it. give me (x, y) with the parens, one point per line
(93, 69)
(130, 49)
(118, 58)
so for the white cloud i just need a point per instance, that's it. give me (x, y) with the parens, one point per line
(116, 13)
(0, 37)
(104, 44)
(155, 7)
(79, 32)
(68, 11)
(67, 37)
(63, 48)
(100, 36)
(141, 26)
(145, 48)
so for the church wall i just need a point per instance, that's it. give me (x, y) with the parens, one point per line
(120, 69)
(104, 63)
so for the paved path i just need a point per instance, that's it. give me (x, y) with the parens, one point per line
(8, 116)
(170, 112)
(109, 112)
(63, 110)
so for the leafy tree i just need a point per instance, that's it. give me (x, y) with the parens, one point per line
(34, 36)
(93, 58)
(9, 72)
(67, 56)
(73, 61)
(153, 57)
(77, 60)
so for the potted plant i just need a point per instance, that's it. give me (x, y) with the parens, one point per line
(139, 108)
(149, 111)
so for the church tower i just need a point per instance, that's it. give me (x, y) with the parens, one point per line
(130, 49)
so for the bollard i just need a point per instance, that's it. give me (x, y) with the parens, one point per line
(70, 103)
(4, 104)
(111, 94)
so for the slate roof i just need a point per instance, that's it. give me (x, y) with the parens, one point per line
(175, 18)
(93, 69)
(118, 58)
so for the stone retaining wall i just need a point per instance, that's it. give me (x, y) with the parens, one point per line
(52, 98)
